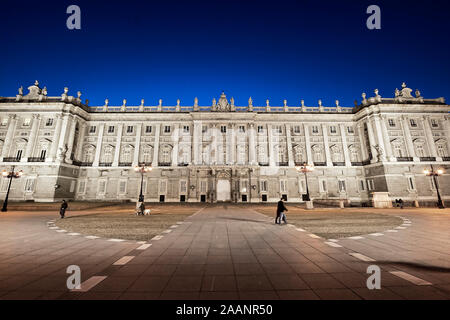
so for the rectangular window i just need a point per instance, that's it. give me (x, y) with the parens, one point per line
(223, 129)
(350, 130)
(278, 129)
(166, 129)
(72, 186)
(362, 187)
(413, 123)
(323, 186)
(102, 187)
(204, 129)
(183, 186)
(342, 186)
(4, 183)
(283, 186)
(244, 186)
(333, 129)
(29, 185)
(391, 123)
(122, 187)
(241, 129)
(4, 121)
(82, 187)
(315, 129)
(263, 186)
(26, 122)
(370, 185)
(296, 129)
(411, 185)
(92, 129)
(260, 129)
(148, 129)
(162, 186)
(186, 129)
(203, 186)
(49, 122)
(434, 123)
(130, 129)
(43, 154)
(111, 129)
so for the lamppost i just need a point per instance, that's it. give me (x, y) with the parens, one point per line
(10, 175)
(435, 174)
(142, 169)
(305, 168)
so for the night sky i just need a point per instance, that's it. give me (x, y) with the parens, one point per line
(185, 49)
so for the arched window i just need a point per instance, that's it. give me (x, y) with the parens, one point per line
(318, 155)
(299, 154)
(89, 154)
(165, 155)
(336, 154)
(354, 153)
(108, 154)
(147, 154)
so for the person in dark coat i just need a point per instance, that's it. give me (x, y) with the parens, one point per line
(280, 209)
(63, 209)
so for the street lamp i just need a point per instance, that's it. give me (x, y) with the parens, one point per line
(435, 174)
(142, 169)
(305, 168)
(10, 175)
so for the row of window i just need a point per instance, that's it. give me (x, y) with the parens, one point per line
(413, 123)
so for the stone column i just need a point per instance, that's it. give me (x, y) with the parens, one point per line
(326, 145)
(79, 147)
(362, 140)
(176, 138)
(215, 134)
(270, 145)
(156, 146)
(197, 142)
(309, 157)
(372, 142)
(380, 137)
(430, 138)
(118, 145)
(232, 144)
(73, 126)
(387, 141)
(251, 145)
(56, 136)
(12, 122)
(137, 145)
(289, 146)
(98, 148)
(408, 138)
(348, 162)
(32, 139)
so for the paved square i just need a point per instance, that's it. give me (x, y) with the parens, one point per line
(227, 252)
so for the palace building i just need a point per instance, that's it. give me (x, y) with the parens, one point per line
(223, 152)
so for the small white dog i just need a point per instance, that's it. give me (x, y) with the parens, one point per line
(147, 212)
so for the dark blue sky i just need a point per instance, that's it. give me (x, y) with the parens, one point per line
(182, 49)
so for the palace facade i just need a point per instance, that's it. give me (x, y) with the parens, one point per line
(223, 152)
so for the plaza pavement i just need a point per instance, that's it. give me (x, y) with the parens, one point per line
(227, 252)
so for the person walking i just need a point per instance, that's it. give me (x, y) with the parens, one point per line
(63, 209)
(280, 212)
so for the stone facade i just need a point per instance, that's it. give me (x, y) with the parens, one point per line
(223, 152)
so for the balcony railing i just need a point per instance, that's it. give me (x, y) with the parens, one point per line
(320, 164)
(425, 159)
(357, 164)
(105, 164)
(183, 164)
(264, 164)
(339, 164)
(445, 158)
(86, 164)
(366, 162)
(164, 164)
(405, 159)
(77, 163)
(36, 159)
(282, 164)
(125, 164)
(147, 164)
(11, 159)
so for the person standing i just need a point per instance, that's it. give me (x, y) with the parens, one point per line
(63, 209)
(280, 212)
